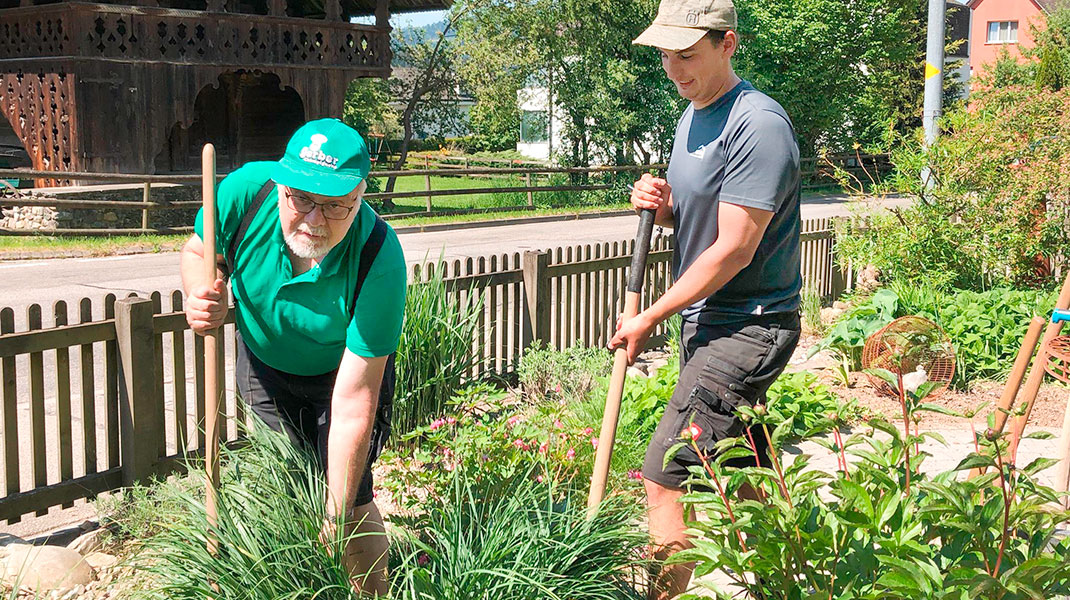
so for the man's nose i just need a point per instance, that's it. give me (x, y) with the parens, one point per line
(315, 216)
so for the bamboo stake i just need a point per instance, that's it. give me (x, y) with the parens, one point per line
(608, 433)
(211, 349)
(1014, 381)
(1036, 376)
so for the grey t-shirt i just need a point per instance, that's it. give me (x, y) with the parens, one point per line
(741, 149)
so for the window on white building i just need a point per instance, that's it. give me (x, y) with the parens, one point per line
(534, 126)
(1003, 32)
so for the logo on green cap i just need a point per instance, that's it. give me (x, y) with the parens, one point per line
(312, 153)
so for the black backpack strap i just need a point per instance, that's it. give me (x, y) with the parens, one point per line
(247, 218)
(368, 254)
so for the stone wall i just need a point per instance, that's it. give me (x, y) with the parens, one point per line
(45, 219)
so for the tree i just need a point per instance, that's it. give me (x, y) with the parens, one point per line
(367, 107)
(612, 96)
(428, 90)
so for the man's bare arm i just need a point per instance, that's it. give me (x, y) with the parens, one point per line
(353, 405)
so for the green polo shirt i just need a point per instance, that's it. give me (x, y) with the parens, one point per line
(300, 324)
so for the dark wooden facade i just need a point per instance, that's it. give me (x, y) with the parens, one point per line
(138, 89)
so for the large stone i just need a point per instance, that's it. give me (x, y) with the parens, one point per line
(42, 569)
(90, 541)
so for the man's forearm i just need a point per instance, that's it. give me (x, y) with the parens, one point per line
(348, 442)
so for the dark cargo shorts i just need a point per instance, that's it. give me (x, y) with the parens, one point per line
(721, 367)
(300, 407)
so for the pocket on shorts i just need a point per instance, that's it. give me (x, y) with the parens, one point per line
(712, 406)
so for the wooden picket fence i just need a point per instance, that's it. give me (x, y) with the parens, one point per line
(114, 395)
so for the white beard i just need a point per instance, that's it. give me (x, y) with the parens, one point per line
(304, 247)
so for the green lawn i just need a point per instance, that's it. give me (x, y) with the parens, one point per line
(490, 200)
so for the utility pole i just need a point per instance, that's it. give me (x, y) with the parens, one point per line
(934, 77)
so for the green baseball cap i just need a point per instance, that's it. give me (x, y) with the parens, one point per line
(324, 157)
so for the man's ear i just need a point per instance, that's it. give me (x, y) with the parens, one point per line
(358, 193)
(731, 42)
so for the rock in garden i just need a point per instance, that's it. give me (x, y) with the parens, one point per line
(655, 364)
(636, 372)
(42, 569)
(88, 542)
(100, 560)
(829, 315)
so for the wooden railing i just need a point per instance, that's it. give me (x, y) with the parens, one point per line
(114, 394)
(148, 33)
(526, 184)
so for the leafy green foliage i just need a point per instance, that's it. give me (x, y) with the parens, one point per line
(884, 529)
(435, 351)
(798, 397)
(570, 374)
(996, 212)
(985, 328)
(270, 504)
(518, 539)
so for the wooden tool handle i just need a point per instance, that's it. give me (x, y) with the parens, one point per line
(608, 434)
(211, 347)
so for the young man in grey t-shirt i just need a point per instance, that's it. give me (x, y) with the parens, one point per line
(732, 195)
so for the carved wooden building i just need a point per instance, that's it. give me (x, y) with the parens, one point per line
(140, 88)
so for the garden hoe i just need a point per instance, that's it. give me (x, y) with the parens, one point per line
(212, 345)
(620, 365)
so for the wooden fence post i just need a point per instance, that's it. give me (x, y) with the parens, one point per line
(527, 183)
(146, 196)
(537, 294)
(139, 418)
(427, 186)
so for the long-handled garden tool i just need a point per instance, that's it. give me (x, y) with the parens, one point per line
(211, 347)
(620, 364)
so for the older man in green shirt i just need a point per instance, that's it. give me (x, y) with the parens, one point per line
(319, 289)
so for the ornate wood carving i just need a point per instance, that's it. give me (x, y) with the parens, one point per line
(187, 37)
(37, 104)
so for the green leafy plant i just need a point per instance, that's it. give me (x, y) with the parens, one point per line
(435, 352)
(520, 539)
(878, 527)
(848, 336)
(811, 311)
(568, 375)
(270, 503)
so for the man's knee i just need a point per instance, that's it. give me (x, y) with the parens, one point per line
(660, 496)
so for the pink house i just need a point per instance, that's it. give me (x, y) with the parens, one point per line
(998, 24)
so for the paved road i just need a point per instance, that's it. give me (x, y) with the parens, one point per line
(45, 281)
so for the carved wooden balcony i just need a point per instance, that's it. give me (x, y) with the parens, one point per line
(108, 32)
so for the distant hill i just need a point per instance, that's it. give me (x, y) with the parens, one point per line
(430, 31)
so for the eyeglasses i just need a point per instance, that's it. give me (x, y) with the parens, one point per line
(334, 211)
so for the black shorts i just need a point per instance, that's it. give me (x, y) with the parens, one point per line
(721, 367)
(300, 406)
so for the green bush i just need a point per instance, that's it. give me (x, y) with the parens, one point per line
(985, 328)
(570, 375)
(518, 539)
(435, 351)
(877, 527)
(996, 209)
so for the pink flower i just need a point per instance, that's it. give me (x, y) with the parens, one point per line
(423, 559)
(543, 447)
(571, 454)
(539, 479)
(594, 443)
(558, 388)
(437, 423)
(563, 436)
(588, 431)
(635, 474)
(451, 421)
(513, 420)
(558, 424)
(519, 443)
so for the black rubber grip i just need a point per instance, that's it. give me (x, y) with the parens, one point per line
(642, 249)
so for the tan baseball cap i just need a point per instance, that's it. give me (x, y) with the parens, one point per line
(680, 24)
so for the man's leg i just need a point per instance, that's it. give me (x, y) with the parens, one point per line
(667, 526)
(365, 555)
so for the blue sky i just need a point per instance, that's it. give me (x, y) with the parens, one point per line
(413, 19)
